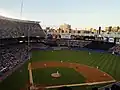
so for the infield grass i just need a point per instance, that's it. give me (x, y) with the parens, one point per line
(68, 76)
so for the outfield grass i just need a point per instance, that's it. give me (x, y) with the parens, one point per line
(106, 62)
(68, 76)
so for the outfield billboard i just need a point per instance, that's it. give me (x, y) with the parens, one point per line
(67, 36)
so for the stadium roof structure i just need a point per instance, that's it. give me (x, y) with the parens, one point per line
(18, 20)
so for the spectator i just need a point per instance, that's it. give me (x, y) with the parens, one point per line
(11, 56)
(10, 28)
(115, 49)
(115, 87)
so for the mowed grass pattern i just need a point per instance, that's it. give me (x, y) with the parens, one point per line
(106, 62)
(68, 76)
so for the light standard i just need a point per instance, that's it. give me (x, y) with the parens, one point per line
(21, 9)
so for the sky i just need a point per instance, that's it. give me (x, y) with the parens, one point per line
(78, 13)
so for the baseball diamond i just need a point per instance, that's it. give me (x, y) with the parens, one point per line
(91, 68)
(49, 59)
(91, 74)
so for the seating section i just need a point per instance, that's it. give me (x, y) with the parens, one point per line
(115, 49)
(17, 28)
(11, 56)
(73, 43)
(100, 45)
(39, 45)
(113, 86)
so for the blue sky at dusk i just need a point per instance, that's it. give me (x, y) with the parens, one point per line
(78, 13)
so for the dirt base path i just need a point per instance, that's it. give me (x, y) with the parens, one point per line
(91, 74)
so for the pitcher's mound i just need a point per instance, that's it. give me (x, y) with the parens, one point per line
(56, 75)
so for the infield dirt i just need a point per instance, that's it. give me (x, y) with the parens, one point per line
(91, 74)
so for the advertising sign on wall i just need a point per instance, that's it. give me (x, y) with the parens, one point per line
(67, 36)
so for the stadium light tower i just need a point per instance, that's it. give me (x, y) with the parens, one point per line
(28, 32)
(21, 9)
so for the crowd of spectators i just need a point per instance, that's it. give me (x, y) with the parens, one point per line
(10, 28)
(11, 56)
(112, 86)
(115, 49)
(38, 45)
(73, 43)
(78, 43)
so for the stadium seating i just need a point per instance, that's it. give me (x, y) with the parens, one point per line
(11, 56)
(10, 31)
(95, 88)
(65, 88)
(73, 43)
(115, 49)
(10, 28)
(100, 45)
(38, 45)
(113, 86)
(107, 88)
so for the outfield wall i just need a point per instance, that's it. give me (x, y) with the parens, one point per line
(67, 48)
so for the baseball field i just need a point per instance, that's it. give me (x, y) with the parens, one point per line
(70, 64)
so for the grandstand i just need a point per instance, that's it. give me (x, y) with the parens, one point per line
(12, 53)
(13, 28)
